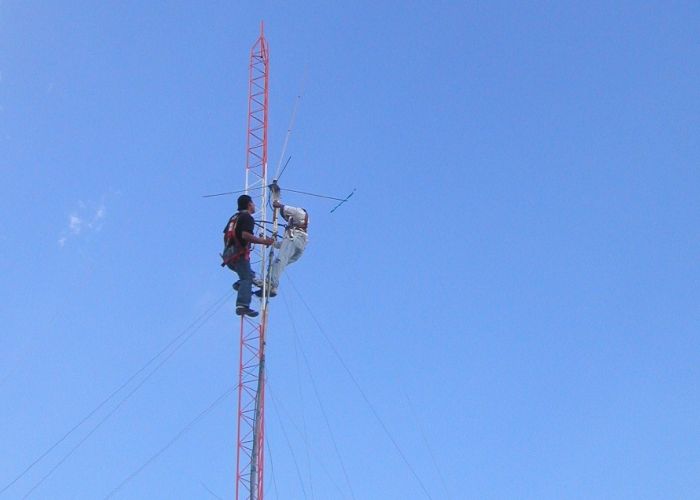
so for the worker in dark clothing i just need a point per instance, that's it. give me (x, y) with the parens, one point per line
(238, 237)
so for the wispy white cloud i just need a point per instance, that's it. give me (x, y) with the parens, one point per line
(100, 213)
(75, 224)
(88, 217)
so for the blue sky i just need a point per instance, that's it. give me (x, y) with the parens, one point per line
(514, 285)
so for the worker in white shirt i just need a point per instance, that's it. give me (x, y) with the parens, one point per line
(293, 242)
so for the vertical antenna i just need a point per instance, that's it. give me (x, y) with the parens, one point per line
(251, 375)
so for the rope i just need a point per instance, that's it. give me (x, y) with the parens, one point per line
(362, 392)
(427, 445)
(319, 462)
(204, 317)
(286, 437)
(303, 403)
(181, 433)
(209, 490)
(272, 468)
(320, 404)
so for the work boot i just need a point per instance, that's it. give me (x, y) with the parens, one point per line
(271, 292)
(258, 282)
(236, 285)
(241, 310)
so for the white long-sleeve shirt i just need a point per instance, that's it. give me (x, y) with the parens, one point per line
(296, 218)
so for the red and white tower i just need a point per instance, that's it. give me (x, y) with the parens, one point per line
(251, 378)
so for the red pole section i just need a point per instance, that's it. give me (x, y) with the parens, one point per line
(251, 394)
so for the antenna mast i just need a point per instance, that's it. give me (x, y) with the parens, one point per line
(251, 378)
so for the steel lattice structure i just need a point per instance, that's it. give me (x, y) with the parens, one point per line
(251, 380)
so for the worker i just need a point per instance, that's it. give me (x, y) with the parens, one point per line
(293, 242)
(238, 237)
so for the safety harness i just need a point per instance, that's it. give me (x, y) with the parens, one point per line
(233, 248)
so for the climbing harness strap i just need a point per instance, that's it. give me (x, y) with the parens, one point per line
(233, 249)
